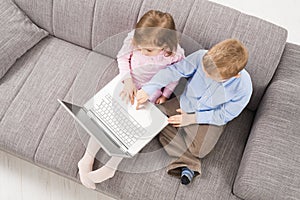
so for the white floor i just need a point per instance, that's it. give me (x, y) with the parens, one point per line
(20, 180)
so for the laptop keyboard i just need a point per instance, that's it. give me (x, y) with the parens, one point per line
(117, 119)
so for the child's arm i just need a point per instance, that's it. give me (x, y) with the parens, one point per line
(225, 112)
(123, 56)
(169, 89)
(185, 68)
(220, 116)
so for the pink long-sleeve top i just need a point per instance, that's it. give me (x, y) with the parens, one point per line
(133, 64)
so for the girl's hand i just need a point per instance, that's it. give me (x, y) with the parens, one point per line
(129, 91)
(161, 99)
(141, 98)
(183, 119)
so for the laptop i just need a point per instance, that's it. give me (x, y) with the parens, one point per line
(118, 127)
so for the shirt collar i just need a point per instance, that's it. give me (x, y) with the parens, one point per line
(229, 81)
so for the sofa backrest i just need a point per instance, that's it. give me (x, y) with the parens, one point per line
(90, 23)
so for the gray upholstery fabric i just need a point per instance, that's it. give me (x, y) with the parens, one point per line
(111, 26)
(33, 107)
(210, 23)
(111, 45)
(40, 12)
(72, 21)
(64, 141)
(270, 165)
(14, 79)
(18, 35)
(265, 42)
(289, 66)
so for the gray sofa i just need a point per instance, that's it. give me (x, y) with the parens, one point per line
(258, 155)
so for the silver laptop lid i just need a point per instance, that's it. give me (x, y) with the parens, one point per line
(80, 115)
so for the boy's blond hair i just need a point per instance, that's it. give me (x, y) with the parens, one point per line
(227, 58)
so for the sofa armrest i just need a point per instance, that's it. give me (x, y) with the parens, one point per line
(270, 167)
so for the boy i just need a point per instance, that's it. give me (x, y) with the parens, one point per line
(217, 90)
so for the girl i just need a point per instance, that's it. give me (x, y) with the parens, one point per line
(152, 46)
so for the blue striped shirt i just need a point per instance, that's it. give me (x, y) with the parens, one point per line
(213, 102)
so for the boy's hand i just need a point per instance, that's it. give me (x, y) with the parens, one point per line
(183, 119)
(141, 98)
(129, 91)
(161, 99)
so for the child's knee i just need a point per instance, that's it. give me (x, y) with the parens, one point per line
(199, 152)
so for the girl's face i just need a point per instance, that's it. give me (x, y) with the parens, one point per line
(149, 50)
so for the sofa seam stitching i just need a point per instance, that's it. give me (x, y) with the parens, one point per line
(141, 6)
(92, 27)
(188, 16)
(52, 18)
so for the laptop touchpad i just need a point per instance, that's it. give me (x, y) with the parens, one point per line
(142, 115)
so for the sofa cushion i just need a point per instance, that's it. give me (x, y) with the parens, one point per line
(18, 34)
(14, 79)
(40, 12)
(35, 104)
(64, 141)
(270, 168)
(112, 18)
(72, 21)
(210, 23)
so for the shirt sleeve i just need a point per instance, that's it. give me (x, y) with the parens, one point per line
(184, 68)
(169, 89)
(225, 112)
(124, 55)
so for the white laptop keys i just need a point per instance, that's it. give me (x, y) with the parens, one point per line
(119, 128)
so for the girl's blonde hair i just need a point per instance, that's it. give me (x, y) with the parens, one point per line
(228, 57)
(158, 29)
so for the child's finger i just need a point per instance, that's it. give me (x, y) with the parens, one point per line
(137, 105)
(174, 120)
(123, 95)
(179, 110)
(134, 92)
(177, 125)
(132, 99)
